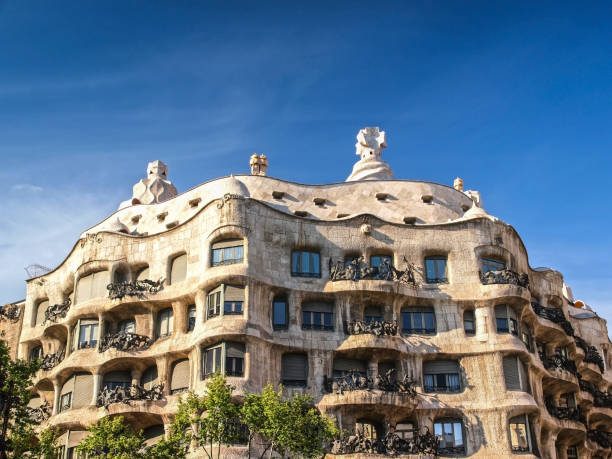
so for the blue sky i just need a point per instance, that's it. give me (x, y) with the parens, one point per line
(514, 97)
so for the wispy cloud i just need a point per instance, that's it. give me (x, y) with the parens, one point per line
(26, 187)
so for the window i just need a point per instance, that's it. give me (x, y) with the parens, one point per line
(92, 286)
(191, 317)
(36, 353)
(116, 379)
(318, 316)
(373, 314)
(149, 378)
(526, 339)
(127, 326)
(232, 298)
(294, 369)
(178, 269)
(120, 276)
(418, 320)
(382, 262)
(561, 352)
(469, 323)
(405, 430)
(344, 367)
(450, 433)
(280, 313)
(179, 380)
(65, 401)
(489, 264)
(367, 429)
(435, 269)
(519, 434)
(505, 318)
(567, 400)
(572, 452)
(441, 376)
(88, 333)
(227, 252)
(165, 322)
(226, 358)
(40, 311)
(516, 375)
(305, 264)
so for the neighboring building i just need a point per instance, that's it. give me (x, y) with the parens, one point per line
(348, 291)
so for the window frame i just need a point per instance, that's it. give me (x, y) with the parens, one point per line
(453, 422)
(297, 258)
(512, 323)
(471, 332)
(169, 312)
(447, 387)
(413, 310)
(435, 261)
(280, 300)
(62, 406)
(224, 361)
(518, 449)
(488, 263)
(191, 321)
(92, 342)
(216, 297)
(295, 382)
(39, 354)
(222, 252)
(318, 325)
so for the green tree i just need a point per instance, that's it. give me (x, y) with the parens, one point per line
(46, 447)
(112, 438)
(15, 378)
(293, 425)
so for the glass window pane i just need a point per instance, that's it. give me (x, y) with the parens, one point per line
(406, 320)
(318, 319)
(306, 318)
(418, 321)
(430, 269)
(453, 381)
(458, 434)
(315, 263)
(280, 313)
(238, 253)
(295, 262)
(429, 321)
(438, 429)
(217, 256)
(328, 320)
(305, 262)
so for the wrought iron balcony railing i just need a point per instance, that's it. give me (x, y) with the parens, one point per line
(559, 362)
(51, 360)
(566, 413)
(504, 276)
(122, 394)
(601, 437)
(41, 413)
(418, 443)
(600, 399)
(57, 311)
(554, 315)
(591, 354)
(378, 328)
(9, 312)
(138, 288)
(356, 380)
(359, 269)
(125, 341)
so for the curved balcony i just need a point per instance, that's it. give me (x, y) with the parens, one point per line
(602, 438)
(504, 276)
(558, 365)
(422, 444)
(57, 312)
(50, 361)
(131, 393)
(137, 288)
(566, 413)
(125, 342)
(555, 316)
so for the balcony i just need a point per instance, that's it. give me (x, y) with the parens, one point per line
(41, 413)
(600, 399)
(125, 341)
(504, 276)
(565, 413)
(51, 360)
(9, 312)
(57, 311)
(359, 269)
(376, 328)
(138, 288)
(122, 394)
(559, 362)
(358, 381)
(602, 438)
(554, 315)
(418, 443)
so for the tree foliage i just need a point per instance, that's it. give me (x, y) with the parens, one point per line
(15, 422)
(112, 438)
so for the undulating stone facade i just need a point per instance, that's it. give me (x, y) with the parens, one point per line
(408, 312)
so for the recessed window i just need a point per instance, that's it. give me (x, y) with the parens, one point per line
(526, 338)
(165, 322)
(40, 311)
(150, 378)
(405, 430)
(65, 401)
(92, 286)
(191, 317)
(367, 429)
(516, 375)
(178, 269)
(127, 326)
(88, 333)
(305, 264)
(505, 319)
(36, 353)
(469, 322)
(450, 434)
(520, 441)
(230, 296)
(318, 316)
(373, 314)
(572, 452)
(76, 391)
(227, 252)
(116, 379)
(294, 370)
(345, 367)
(441, 376)
(381, 262)
(179, 380)
(280, 313)
(120, 276)
(435, 270)
(418, 321)
(226, 358)
(489, 264)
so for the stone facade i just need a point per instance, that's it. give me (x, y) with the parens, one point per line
(402, 307)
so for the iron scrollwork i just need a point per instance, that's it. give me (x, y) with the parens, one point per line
(9, 312)
(121, 394)
(41, 413)
(560, 362)
(377, 328)
(57, 311)
(421, 443)
(359, 269)
(125, 341)
(602, 438)
(554, 315)
(592, 355)
(504, 276)
(138, 288)
(356, 380)
(567, 413)
(51, 360)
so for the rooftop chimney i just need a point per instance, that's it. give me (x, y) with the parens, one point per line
(259, 164)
